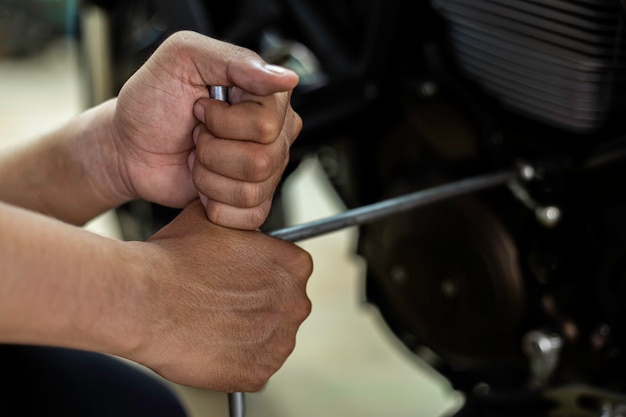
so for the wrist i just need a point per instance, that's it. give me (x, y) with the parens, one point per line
(73, 173)
(122, 298)
(133, 322)
(101, 156)
(95, 302)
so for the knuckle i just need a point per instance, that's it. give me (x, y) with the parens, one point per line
(302, 264)
(288, 347)
(297, 124)
(259, 379)
(304, 309)
(298, 306)
(250, 195)
(256, 219)
(214, 213)
(172, 40)
(261, 167)
(178, 40)
(252, 221)
(268, 130)
(241, 55)
(225, 215)
(253, 385)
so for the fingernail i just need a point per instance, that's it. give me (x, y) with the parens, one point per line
(195, 134)
(191, 159)
(275, 69)
(198, 111)
(204, 200)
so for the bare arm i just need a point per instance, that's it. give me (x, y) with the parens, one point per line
(165, 141)
(200, 304)
(65, 173)
(56, 279)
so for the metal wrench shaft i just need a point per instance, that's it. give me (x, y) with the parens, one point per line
(236, 400)
(372, 212)
(236, 404)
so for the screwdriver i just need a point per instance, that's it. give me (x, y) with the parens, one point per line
(370, 213)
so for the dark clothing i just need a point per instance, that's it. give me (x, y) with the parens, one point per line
(44, 381)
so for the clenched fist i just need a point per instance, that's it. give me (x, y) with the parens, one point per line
(221, 307)
(173, 143)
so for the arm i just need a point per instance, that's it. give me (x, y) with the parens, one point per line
(55, 277)
(164, 141)
(200, 304)
(65, 173)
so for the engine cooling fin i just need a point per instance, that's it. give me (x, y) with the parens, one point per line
(559, 62)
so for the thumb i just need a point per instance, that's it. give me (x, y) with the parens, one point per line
(225, 64)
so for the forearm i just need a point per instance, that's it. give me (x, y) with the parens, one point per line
(63, 286)
(65, 174)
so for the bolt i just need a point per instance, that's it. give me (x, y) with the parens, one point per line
(548, 216)
(527, 172)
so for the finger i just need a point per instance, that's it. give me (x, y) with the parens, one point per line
(233, 192)
(220, 63)
(236, 217)
(244, 161)
(261, 120)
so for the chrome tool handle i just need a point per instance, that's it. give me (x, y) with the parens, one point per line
(236, 400)
(220, 93)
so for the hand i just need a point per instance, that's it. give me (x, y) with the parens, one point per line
(241, 149)
(222, 305)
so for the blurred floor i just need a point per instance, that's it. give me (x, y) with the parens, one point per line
(346, 363)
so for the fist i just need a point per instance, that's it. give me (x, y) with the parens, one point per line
(221, 306)
(241, 151)
(172, 143)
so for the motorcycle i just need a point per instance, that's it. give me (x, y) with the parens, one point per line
(514, 294)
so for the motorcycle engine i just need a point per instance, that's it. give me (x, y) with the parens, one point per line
(516, 295)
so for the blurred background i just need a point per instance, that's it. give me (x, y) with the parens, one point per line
(514, 294)
(55, 60)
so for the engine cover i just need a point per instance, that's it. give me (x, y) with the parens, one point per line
(559, 62)
(451, 273)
